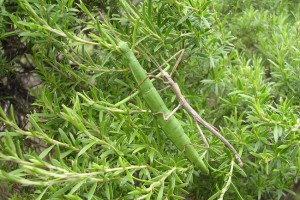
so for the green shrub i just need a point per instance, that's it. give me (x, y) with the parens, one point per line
(92, 136)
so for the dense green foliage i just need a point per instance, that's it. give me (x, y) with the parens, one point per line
(96, 138)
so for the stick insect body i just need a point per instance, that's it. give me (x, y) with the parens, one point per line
(172, 126)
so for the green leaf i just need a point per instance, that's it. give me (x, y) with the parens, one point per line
(10, 146)
(92, 191)
(66, 153)
(214, 196)
(34, 124)
(171, 184)
(42, 194)
(72, 197)
(62, 191)
(237, 191)
(161, 191)
(138, 149)
(276, 133)
(85, 148)
(108, 191)
(77, 186)
(46, 152)
(135, 29)
(240, 170)
(129, 177)
(64, 136)
(184, 18)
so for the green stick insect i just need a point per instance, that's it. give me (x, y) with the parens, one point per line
(171, 127)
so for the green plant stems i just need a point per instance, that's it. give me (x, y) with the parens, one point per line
(171, 127)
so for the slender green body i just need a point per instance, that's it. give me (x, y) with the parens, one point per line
(171, 127)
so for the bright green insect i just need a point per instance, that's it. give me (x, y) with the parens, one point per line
(171, 127)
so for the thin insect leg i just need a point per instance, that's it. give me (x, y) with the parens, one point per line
(172, 113)
(167, 61)
(160, 113)
(155, 70)
(177, 62)
(166, 118)
(203, 137)
(159, 78)
(152, 76)
(134, 92)
(164, 88)
(146, 52)
(139, 85)
(155, 77)
(159, 67)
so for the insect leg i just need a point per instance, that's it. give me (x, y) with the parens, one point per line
(202, 136)
(177, 62)
(172, 113)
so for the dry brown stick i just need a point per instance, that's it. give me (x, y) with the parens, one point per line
(182, 101)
